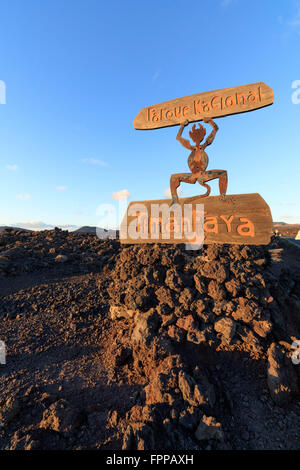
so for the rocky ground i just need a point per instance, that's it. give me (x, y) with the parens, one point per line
(114, 346)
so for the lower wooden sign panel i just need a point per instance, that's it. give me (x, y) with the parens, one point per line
(243, 219)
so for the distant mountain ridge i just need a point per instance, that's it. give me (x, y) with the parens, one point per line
(100, 232)
(87, 229)
(7, 227)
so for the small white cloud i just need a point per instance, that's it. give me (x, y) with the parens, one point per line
(23, 197)
(289, 219)
(167, 192)
(32, 225)
(12, 167)
(78, 212)
(61, 188)
(121, 195)
(290, 203)
(68, 227)
(39, 225)
(94, 161)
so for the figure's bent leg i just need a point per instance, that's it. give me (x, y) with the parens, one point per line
(175, 181)
(221, 175)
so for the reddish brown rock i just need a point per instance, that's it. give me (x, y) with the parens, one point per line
(226, 327)
(196, 393)
(214, 270)
(246, 311)
(186, 323)
(185, 298)
(165, 296)
(215, 290)
(209, 428)
(176, 333)
(282, 378)
(199, 283)
(160, 390)
(262, 328)
(60, 417)
(146, 325)
(233, 287)
(138, 436)
(249, 338)
(120, 311)
(173, 281)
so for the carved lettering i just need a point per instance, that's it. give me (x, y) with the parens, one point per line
(217, 102)
(259, 94)
(252, 97)
(186, 110)
(229, 101)
(211, 225)
(177, 111)
(238, 98)
(169, 115)
(240, 219)
(197, 106)
(153, 225)
(150, 110)
(206, 106)
(214, 104)
(162, 113)
(217, 105)
(246, 229)
(227, 222)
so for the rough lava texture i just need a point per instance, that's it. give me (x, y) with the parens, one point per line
(153, 347)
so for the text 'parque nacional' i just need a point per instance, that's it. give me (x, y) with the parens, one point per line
(212, 104)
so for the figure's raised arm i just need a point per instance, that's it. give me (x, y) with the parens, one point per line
(184, 142)
(212, 135)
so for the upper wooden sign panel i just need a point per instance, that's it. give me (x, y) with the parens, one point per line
(212, 104)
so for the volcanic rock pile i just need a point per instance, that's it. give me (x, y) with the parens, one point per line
(180, 307)
(26, 252)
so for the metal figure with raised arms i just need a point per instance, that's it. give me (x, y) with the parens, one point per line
(198, 161)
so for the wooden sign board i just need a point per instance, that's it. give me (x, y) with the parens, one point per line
(211, 104)
(243, 219)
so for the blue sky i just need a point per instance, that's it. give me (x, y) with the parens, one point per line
(77, 72)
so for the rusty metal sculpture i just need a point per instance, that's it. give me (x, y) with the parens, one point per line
(198, 161)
